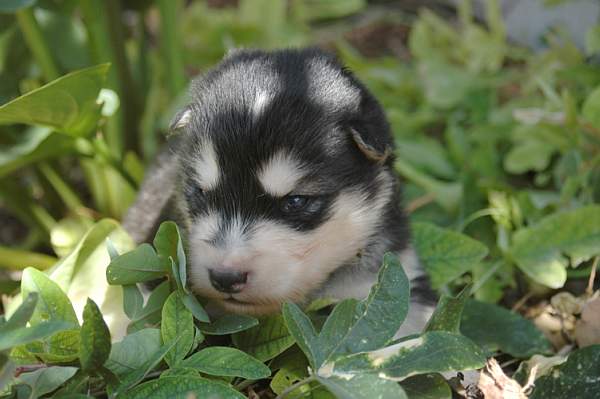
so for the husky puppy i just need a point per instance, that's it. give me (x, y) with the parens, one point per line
(281, 175)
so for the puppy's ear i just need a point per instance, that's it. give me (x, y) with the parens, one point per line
(375, 150)
(180, 120)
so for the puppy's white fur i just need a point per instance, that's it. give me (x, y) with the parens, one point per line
(207, 166)
(280, 175)
(284, 264)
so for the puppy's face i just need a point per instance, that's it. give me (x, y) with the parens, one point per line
(277, 185)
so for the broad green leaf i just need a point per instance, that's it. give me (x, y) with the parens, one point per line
(133, 301)
(22, 315)
(376, 319)
(495, 328)
(133, 351)
(82, 273)
(183, 387)
(292, 367)
(67, 104)
(448, 312)
(265, 341)
(445, 85)
(578, 377)
(591, 108)
(224, 361)
(95, 343)
(544, 250)
(445, 254)
(362, 387)
(168, 244)
(303, 331)
(23, 335)
(35, 144)
(46, 380)
(138, 266)
(193, 305)
(433, 352)
(53, 303)
(427, 154)
(228, 324)
(151, 313)
(529, 155)
(177, 325)
(355, 327)
(15, 5)
(61, 347)
(426, 386)
(133, 378)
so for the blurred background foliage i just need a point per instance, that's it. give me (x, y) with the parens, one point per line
(492, 137)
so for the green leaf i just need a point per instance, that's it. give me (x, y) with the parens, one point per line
(445, 85)
(133, 301)
(495, 328)
(224, 361)
(23, 335)
(303, 331)
(95, 343)
(151, 314)
(426, 386)
(47, 379)
(67, 104)
(265, 341)
(35, 144)
(433, 352)
(15, 5)
(578, 377)
(362, 386)
(22, 315)
(53, 303)
(62, 347)
(133, 351)
(448, 312)
(541, 250)
(591, 108)
(192, 304)
(445, 254)
(228, 324)
(529, 155)
(292, 367)
(177, 324)
(355, 327)
(138, 266)
(168, 244)
(134, 377)
(81, 273)
(183, 387)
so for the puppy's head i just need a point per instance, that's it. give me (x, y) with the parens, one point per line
(285, 176)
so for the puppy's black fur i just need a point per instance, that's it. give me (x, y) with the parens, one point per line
(309, 106)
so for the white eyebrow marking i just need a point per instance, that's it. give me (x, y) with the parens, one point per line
(207, 167)
(280, 174)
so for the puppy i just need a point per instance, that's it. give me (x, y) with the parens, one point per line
(281, 177)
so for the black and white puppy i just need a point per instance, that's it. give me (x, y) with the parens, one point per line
(282, 178)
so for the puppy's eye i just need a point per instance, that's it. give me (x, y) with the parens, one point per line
(294, 203)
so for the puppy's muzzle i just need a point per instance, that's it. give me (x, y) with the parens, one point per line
(230, 282)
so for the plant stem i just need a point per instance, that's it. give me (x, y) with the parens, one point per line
(66, 193)
(293, 387)
(171, 45)
(37, 44)
(94, 17)
(15, 259)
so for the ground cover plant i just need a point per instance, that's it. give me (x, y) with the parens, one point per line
(499, 149)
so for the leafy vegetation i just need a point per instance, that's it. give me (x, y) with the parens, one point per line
(499, 149)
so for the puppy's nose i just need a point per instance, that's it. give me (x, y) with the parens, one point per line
(227, 281)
